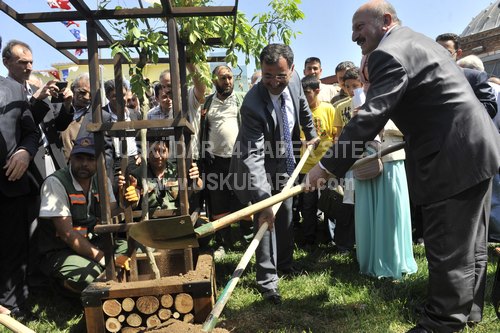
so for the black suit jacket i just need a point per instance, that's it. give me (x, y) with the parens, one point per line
(451, 143)
(484, 92)
(256, 152)
(52, 123)
(17, 130)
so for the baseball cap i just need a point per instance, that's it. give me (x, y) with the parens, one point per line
(84, 145)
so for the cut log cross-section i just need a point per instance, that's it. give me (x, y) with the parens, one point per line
(134, 320)
(153, 321)
(167, 301)
(188, 318)
(111, 307)
(132, 329)
(184, 303)
(164, 314)
(113, 325)
(128, 304)
(147, 304)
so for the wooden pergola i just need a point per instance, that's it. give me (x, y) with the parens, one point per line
(179, 126)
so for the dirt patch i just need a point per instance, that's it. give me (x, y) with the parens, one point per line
(176, 326)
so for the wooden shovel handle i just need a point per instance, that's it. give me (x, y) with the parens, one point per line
(210, 228)
(14, 325)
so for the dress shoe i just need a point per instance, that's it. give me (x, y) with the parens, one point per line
(310, 247)
(418, 329)
(272, 296)
(290, 272)
(341, 250)
(23, 315)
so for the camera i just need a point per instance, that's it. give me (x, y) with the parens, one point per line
(59, 98)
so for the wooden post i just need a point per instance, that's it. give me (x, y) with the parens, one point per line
(102, 175)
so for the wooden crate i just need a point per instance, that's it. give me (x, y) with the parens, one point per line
(199, 284)
(169, 262)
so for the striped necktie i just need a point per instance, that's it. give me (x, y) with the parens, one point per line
(290, 161)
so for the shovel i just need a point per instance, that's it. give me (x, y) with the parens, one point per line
(179, 233)
(213, 317)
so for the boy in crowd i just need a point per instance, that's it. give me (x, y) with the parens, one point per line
(323, 118)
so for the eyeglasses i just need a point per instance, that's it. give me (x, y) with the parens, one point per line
(82, 92)
(278, 77)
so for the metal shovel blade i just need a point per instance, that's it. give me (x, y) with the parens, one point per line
(166, 233)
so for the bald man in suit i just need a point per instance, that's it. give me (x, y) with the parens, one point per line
(452, 152)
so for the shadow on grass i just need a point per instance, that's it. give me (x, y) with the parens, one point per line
(59, 312)
(308, 314)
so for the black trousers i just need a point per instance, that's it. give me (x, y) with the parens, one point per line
(14, 250)
(456, 234)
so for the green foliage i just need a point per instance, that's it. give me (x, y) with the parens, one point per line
(148, 39)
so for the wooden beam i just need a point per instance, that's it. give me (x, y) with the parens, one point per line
(160, 60)
(83, 12)
(139, 124)
(82, 7)
(34, 29)
(45, 17)
(103, 44)
(124, 13)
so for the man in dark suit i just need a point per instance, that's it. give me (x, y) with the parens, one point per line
(261, 160)
(452, 152)
(477, 79)
(18, 59)
(18, 144)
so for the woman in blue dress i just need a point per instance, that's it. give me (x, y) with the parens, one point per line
(384, 245)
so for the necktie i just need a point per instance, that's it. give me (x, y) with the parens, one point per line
(290, 161)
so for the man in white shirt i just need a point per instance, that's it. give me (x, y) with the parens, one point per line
(196, 96)
(220, 122)
(312, 65)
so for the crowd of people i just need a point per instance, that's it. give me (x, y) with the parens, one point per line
(408, 88)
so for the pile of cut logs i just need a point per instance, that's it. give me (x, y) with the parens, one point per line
(128, 314)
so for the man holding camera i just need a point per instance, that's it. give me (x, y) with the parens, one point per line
(18, 59)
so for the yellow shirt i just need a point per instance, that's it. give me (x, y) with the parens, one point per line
(323, 119)
(343, 112)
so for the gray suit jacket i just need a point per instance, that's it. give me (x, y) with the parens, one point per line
(258, 157)
(17, 130)
(451, 142)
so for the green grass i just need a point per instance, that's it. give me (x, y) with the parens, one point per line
(332, 297)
